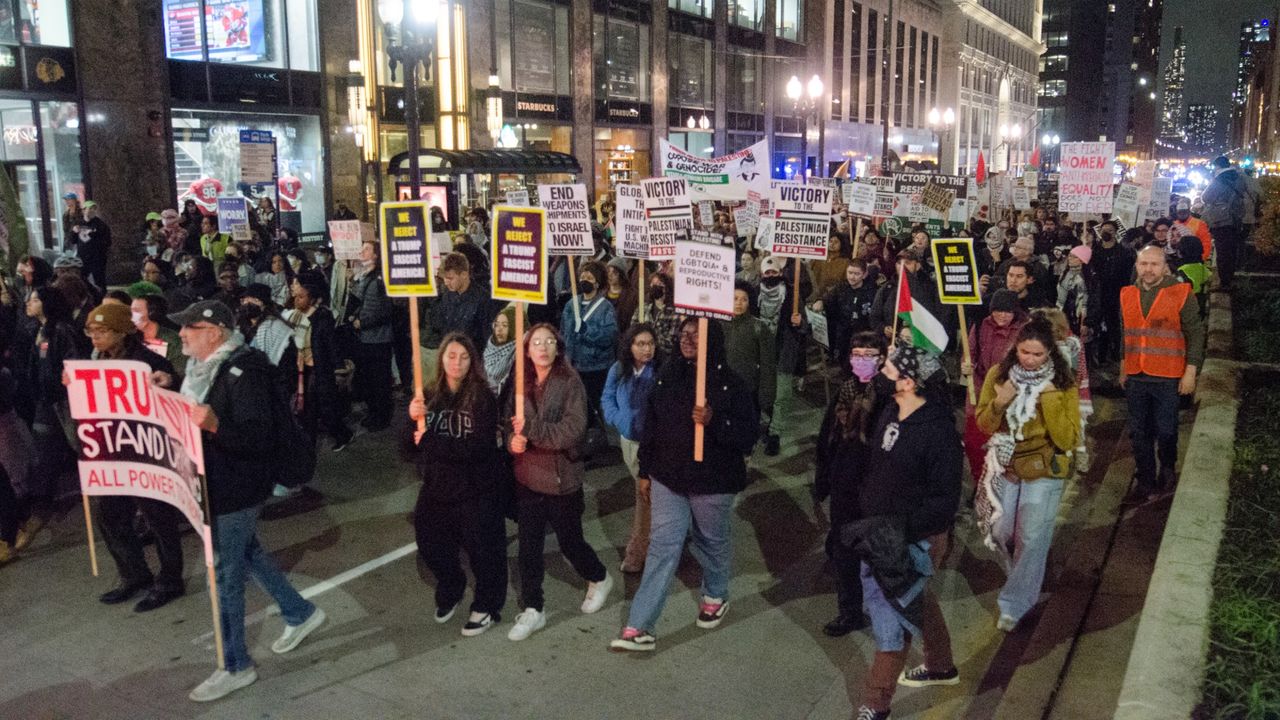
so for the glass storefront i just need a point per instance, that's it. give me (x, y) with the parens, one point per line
(35, 23)
(262, 33)
(29, 127)
(207, 147)
(621, 156)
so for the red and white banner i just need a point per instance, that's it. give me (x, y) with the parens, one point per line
(135, 438)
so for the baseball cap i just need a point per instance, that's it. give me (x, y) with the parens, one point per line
(71, 196)
(1184, 204)
(210, 311)
(154, 216)
(90, 204)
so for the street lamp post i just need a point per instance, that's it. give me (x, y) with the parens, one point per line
(1009, 135)
(941, 122)
(1050, 141)
(414, 47)
(805, 100)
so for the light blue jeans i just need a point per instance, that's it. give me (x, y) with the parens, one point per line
(238, 553)
(1030, 510)
(674, 517)
(888, 626)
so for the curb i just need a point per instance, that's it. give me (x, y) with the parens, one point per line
(1166, 668)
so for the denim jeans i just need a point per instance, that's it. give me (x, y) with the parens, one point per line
(1031, 507)
(673, 517)
(238, 553)
(1153, 427)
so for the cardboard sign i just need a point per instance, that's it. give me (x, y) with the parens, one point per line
(707, 214)
(667, 213)
(745, 219)
(1125, 207)
(730, 177)
(232, 211)
(802, 216)
(957, 271)
(704, 279)
(884, 203)
(568, 219)
(347, 236)
(818, 327)
(1085, 185)
(1161, 195)
(517, 198)
(136, 439)
(935, 197)
(861, 198)
(407, 270)
(764, 233)
(519, 248)
(1021, 199)
(632, 240)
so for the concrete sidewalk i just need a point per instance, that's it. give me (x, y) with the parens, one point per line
(380, 656)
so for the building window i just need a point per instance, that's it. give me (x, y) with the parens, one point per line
(837, 61)
(701, 8)
(855, 61)
(539, 44)
(1053, 88)
(933, 72)
(622, 60)
(37, 23)
(746, 13)
(900, 46)
(1056, 38)
(264, 33)
(690, 68)
(207, 145)
(873, 64)
(913, 60)
(790, 17)
(744, 81)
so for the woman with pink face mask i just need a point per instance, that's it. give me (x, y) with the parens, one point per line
(841, 455)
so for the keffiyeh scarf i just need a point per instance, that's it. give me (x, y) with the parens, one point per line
(988, 503)
(200, 373)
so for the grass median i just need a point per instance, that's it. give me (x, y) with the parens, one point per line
(1243, 675)
(1255, 310)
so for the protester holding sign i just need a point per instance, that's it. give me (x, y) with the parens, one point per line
(660, 313)
(369, 313)
(749, 345)
(549, 471)
(232, 383)
(458, 506)
(687, 494)
(590, 332)
(114, 337)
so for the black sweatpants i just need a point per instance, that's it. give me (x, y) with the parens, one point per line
(564, 514)
(116, 520)
(373, 382)
(476, 527)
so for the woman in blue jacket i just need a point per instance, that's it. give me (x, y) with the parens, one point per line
(625, 393)
(590, 332)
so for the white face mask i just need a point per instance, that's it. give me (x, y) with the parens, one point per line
(295, 263)
(138, 319)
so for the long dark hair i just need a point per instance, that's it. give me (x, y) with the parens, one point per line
(558, 366)
(1040, 330)
(625, 357)
(473, 383)
(54, 305)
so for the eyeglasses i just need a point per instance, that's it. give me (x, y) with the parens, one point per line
(548, 342)
(98, 332)
(689, 335)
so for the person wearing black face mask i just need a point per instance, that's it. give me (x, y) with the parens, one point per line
(590, 333)
(659, 312)
(1112, 264)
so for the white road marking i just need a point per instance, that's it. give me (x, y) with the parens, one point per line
(323, 586)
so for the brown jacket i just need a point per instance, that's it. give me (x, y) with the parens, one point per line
(1057, 416)
(555, 422)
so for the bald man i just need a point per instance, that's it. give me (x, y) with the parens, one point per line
(1163, 350)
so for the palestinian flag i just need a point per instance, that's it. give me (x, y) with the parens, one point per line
(926, 331)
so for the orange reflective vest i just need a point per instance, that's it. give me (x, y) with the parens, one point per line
(1153, 343)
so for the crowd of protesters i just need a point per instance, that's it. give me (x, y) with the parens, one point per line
(241, 325)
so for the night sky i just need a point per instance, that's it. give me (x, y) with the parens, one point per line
(1212, 43)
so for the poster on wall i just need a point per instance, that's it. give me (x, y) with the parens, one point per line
(730, 177)
(235, 30)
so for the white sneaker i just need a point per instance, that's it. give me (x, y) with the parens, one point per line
(1006, 623)
(295, 634)
(597, 593)
(527, 623)
(222, 683)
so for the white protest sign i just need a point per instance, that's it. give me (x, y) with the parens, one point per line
(668, 214)
(568, 219)
(1021, 199)
(1161, 195)
(1085, 185)
(631, 239)
(764, 233)
(803, 220)
(818, 327)
(704, 279)
(1125, 207)
(861, 198)
(517, 198)
(746, 218)
(730, 177)
(707, 214)
(347, 236)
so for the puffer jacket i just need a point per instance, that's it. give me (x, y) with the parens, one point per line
(590, 347)
(555, 422)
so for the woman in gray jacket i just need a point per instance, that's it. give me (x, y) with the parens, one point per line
(549, 470)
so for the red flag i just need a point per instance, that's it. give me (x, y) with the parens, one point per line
(1035, 158)
(981, 174)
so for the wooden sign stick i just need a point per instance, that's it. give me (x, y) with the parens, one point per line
(857, 237)
(88, 528)
(573, 293)
(700, 388)
(519, 340)
(415, 341)
(964, 347)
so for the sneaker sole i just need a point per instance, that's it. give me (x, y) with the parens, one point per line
(712, 624)
(210, 698)
(629, 646)
(906, 682)
(311, 625)
(467, 632)
(535, 629)
(442, 619)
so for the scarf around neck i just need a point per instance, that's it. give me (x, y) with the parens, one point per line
(497, 362)
(770, 300)
(272, 336)
(200, 373)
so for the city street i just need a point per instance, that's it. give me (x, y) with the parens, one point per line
(348, 539)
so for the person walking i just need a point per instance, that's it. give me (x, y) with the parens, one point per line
(93, 245)
(1224, 212)
(1163, 350)
(316, 341)
(114, 337)
(230, 383)
(458, 505)
(590, 332)
(660, 312)
(549, 473)
(1030, 404)
(369, 313)
(626, 391)
(750, 351)
(908, 501)
(690, 497)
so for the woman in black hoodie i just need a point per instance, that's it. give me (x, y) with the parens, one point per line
(688, 495)
(458, 508)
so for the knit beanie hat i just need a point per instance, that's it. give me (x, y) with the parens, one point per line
(1004, 300)
(1083, 253)
(112, 316)
(1190, 249)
